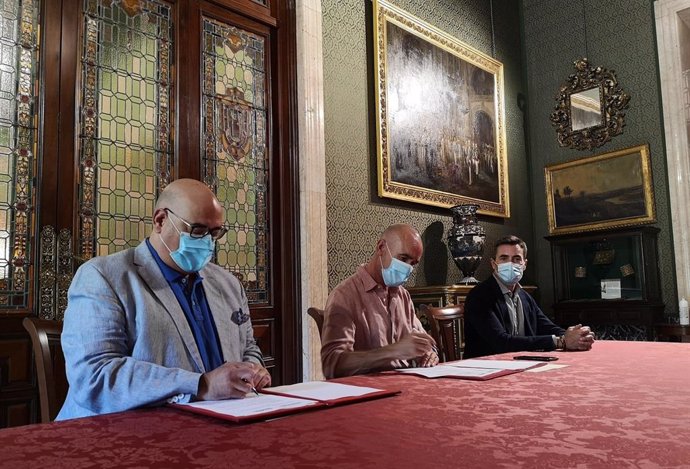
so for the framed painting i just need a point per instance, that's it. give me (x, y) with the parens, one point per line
(603, 191)
(440, 116)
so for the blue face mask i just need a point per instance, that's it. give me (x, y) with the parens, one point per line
(192, 254)
(509, 273)
(396, 273)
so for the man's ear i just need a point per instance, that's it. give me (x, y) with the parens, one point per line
(159, 216)
(524, 265)
(494, 266)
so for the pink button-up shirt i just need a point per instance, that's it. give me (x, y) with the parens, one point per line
(363, 315)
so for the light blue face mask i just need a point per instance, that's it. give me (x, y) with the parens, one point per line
(192, 254)
(509, 273)
(396, 273)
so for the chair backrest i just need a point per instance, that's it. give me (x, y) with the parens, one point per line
(317, 314)
(447, 329)
(50, 365)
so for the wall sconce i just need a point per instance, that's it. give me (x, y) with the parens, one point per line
(580, 272)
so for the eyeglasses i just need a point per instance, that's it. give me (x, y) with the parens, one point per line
(197, 230)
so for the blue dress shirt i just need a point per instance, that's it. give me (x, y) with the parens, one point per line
(190, 294)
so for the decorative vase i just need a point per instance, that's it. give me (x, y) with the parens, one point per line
(466, 240)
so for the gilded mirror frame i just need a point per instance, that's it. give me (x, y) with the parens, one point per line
(613, 103)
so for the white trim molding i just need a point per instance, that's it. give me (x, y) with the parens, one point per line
(672, 16)
(312, 179)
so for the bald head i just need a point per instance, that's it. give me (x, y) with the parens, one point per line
(402, 235)
(401, 241)
(186, 197)
(190, 201)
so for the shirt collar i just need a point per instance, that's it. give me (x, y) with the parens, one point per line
(367, 280)
(505, 290)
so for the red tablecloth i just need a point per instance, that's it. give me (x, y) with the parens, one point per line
(624, 404)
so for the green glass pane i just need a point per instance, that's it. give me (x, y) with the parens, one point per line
(19, 87)
(230, 105)
(241, 217)
(124, 51)
(231, 218)
(231, 196)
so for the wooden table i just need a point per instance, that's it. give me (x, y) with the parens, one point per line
(622, 405)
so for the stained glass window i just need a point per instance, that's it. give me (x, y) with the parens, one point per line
(235, 156)
(18, 75)
(125, 122)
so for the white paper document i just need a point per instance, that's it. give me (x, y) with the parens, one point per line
(495, 364)
(547, 367)
(610, 288)
(449, 371)
(261, 404)
(322, 390)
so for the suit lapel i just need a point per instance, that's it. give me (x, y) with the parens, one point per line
(503, 307)
(151, 274)
(220, 314)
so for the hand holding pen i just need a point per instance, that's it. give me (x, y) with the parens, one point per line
(230, 380)
(250, 386)
(415, 345)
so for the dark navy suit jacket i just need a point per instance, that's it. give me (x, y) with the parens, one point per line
(488, 325)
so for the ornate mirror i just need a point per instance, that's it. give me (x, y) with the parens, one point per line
(590, 107)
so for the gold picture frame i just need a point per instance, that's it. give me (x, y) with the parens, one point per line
(440, 116)
(590, 107)
(604, 191)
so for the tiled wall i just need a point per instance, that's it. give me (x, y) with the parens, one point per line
(355, 214)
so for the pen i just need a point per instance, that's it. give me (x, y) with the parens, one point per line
(252, 387)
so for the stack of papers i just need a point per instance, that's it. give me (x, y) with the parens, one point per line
(284, 400)
(472, 369)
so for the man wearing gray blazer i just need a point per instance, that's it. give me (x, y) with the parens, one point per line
(158, 323)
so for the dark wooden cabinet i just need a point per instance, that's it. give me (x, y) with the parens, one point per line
(609, 281)
(672, 332)
(439, 295)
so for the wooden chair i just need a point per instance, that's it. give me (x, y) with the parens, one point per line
(317, 315)
(447, 329)
(50, 365)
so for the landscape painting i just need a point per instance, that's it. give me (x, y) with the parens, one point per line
(604, 191)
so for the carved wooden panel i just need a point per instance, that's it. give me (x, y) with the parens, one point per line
(17, 387)
(264, 335)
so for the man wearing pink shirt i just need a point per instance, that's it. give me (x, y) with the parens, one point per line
(369, 320)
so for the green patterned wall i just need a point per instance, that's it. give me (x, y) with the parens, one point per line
(618, 35)
(355, 214)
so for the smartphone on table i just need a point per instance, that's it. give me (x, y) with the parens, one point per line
(539, 358)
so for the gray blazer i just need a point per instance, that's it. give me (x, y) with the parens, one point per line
(127, 342)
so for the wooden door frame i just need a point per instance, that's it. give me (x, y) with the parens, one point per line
(287, 113)
(284, 167)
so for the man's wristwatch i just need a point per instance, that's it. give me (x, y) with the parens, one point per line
(560, 342)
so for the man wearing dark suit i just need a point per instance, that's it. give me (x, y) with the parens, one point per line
(501, 317)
